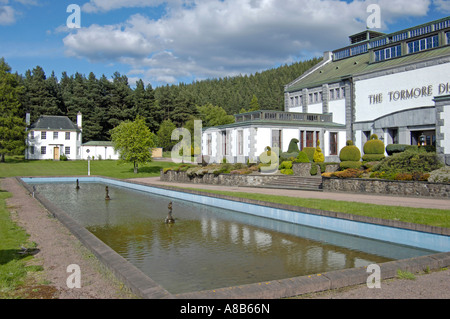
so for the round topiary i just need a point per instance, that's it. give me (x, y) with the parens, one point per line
(350, 153)
(374, 145)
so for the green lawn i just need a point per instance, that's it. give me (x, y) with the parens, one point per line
(13, 262)
(432, 217)
(19, 167)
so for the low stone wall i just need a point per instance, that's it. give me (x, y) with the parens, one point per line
(387, 187)
(222, 179)
(303, 169)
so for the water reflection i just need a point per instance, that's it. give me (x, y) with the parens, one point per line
(210, 247)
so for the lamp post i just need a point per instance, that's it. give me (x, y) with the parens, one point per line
(89, 162)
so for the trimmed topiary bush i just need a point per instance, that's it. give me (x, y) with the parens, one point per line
(373, 149)
(310, 152)
(293, 146)
(350, 153)
(302, 158)
(350, 156)
(318, 156)
(409, 162)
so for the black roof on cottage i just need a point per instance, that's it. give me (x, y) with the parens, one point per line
(54, 123)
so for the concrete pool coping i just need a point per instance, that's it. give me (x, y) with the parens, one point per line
(145, 287)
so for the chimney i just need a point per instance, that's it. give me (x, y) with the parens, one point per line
(79, 120)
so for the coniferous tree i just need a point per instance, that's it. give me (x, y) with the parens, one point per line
(12, 123)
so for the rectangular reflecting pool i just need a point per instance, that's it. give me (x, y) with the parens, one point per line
(210, 247)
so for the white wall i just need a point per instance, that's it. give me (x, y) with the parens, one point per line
(446, 129)
(315, 108)
(97, 151)
(338, 110)
(430, 77)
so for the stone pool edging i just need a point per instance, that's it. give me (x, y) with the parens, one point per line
(145, 287)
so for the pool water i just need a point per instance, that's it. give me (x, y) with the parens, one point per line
(208, 247)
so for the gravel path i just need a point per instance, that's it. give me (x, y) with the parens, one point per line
(58, 249)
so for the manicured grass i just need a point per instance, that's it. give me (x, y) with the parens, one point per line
(13, 262)
(18, 167)
(432, 217)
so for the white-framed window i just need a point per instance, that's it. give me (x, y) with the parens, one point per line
(32, 150)
(55, 135)
(67, 150)
(388, 53)
(423, 44)
(43, 150)
(43, 135)
(31, 135)
(67, 136)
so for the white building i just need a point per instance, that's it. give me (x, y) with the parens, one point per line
(99, 150)
(52, 136)
(394, 85)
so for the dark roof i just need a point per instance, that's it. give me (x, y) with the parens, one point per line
(55, 123)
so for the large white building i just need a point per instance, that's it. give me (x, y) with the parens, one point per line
(394, 85)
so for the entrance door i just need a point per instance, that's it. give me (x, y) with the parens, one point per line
(56, 153)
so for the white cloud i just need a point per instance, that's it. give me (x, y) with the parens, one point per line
(442, 5)
(210, 38)
(7, 15)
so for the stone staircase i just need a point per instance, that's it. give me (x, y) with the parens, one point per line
(295, 182)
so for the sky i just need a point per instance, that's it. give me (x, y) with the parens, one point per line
(173, 41)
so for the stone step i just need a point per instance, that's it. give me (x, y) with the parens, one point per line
(296, 182)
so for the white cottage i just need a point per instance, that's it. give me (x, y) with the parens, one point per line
(52, 136)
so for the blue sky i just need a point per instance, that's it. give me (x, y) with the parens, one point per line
(165, 42)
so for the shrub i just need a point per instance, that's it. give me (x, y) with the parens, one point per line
(348, 173)
(403, 177)
(350, 164)
(302, 158)
(373, 157)
(350, 153)
(310, 152)
(409, 162)
(374, 145)
(285, 165)
(318, 156)
(287, 171)
(293, 146)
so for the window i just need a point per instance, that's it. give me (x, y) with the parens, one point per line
(423, 44)
(225, 143)
(448, 37)
(67, 150)
(388, 53)
(316, 97)
(67, 136)
(43, 150)
(43, 135)
(32, 150)
(31, 135)
(333, 144)
(331, 94)
(240, 142)
(338, 94)
(302, 136)
(55, 135)
(309, 139)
